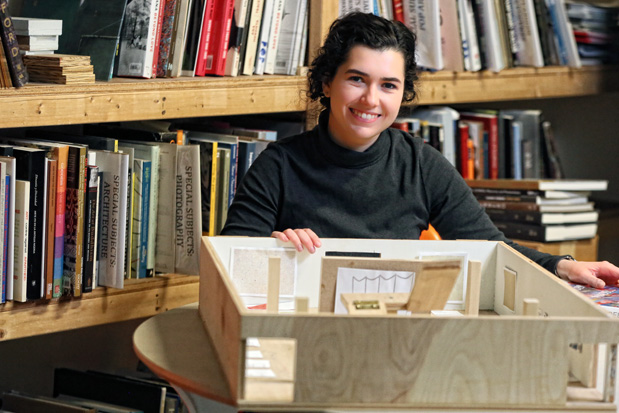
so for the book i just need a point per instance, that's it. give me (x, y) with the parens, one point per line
(237, 34)
(50, 232)
(607, 297)
(165, 42)
(263, 37)
(564, 34)
(21, 402)
(194, 28)
(188, 202)
(205, 38)
(291, 27)
(131, 180)
(139, 242)
(37, 26)
(137, 44)
(541, 184)
(491, 126)
(423, 18)
(179, 37)
(534, 206)
(19, 74)
(74, 221)
(90, 228)
(531, 143)
(9, 227)
(448, 119)
(274, 35)
(540, 200)
(451, 39)
(248, 62)
(22, 229)
(544, 218)
(468, 33)
(5, 74)
(526, 35)
(547, 233)
(113, 217)
(156, 32)
(223, 188)
(108, 389)
(30, 164)
(95, 405)
(218, 48)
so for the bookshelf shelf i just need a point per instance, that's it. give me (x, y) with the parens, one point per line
(139, 298)
(132, 99)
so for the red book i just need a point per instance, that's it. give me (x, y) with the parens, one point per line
(218, 46)
(157, 39)
(398, 11)
(491, 125)
(205, 37)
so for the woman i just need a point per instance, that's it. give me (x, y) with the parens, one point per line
(353, 177)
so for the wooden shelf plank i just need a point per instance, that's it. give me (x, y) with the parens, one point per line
(516, 84)
(131, 99)
(139, 298)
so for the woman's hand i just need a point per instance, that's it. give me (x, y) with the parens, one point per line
(595, 274)
(300, 238)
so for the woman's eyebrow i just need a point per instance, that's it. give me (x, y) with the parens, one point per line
(385, 79)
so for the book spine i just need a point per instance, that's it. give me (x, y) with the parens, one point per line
(177, 41)
(253, 32)
(130, 265)
(398, 11)
(153, 211)
(213, 192)
(51, 227)
(155, 37)
(263, 37)
(274, 34)
(165, 43)
(74, 224)
(237, 34)
(166, 215)
(221, 40)
(5, 257)
(145, 212)
(90, 225)
(188, 216)
(205, 38)
(22, 226)
(136, 219)
(19, 75)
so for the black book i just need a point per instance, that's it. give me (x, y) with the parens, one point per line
(90, 227)
(547, 233)
(18, 72)
(537, 217)
(109, 389)
(31, 167)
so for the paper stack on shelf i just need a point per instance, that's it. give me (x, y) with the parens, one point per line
(59, 68)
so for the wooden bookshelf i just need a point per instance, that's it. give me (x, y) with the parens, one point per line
(139, 298)
(131, 99)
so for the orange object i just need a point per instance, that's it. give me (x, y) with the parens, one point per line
(429, 234)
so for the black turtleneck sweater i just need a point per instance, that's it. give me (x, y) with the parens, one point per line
(392, 190)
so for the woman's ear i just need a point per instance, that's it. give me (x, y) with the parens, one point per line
(326, 89)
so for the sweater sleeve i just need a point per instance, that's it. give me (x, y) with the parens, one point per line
(456, 213)
(254, 210)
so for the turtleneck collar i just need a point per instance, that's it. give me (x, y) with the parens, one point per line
(344, 157)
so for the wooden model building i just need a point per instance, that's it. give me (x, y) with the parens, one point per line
(506, 347)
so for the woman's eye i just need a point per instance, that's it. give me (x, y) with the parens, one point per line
(356, 79)
(390, 86)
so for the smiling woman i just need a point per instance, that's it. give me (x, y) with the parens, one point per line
(353, 176)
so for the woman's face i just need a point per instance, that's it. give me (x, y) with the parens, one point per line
(365, 96)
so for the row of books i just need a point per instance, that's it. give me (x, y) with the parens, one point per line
(90, 391)
(488, 144)
(171, 38)
(540, 210)
(82, 214)
(470, 35)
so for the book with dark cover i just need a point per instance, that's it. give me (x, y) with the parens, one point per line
(19, 75)
(546, 233)
(50, 233)
(109, 389)
(165, 41)
(194, 27)
(31, 167)
(21, 402)
(537, 217)
(90, 220)
(5, 242)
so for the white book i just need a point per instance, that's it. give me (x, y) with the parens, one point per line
(253, 33)
(386, 9)
(32, 25)
(470, 45)
(453, 58)
(151, 153)
(130, 192)
(275, 29)
(493, 47)
(22, 227)
(349, 6)
(528, 46)
(114, 167)
(263, 39)
(303, 39)
(188, 232)
(233, 57)
(10, 163)
(137, 44)
(292, 24)
(423, 18)
(44, 235)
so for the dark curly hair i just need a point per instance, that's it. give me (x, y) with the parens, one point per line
(368, 30)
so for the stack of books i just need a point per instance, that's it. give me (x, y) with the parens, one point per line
(37, 36)
(60, 69)
(540, 210)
